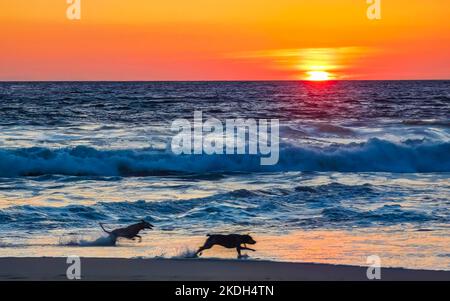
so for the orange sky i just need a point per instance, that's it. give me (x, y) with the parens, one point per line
(223, 40)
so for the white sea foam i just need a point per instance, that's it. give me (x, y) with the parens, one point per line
(103, 241)
(373, 155)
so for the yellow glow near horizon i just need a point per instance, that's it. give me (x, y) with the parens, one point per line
(223, 40)
(318, 75)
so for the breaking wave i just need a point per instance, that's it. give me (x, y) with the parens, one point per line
(374, 155)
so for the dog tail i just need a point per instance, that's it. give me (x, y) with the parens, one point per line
(101, 225)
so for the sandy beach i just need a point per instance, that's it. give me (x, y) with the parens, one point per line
(54, 269)
(175, 142)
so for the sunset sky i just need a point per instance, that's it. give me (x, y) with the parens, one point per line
(224, 40)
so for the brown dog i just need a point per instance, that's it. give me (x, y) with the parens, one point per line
(228, 241)
(130, 232)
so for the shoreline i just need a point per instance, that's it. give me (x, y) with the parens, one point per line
(159, 269)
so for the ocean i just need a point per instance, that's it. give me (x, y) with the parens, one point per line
(363, 169)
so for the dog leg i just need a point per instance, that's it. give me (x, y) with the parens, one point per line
(201, 249)
(113, 239)
(199, 252)
(250, 249)
(238, 249)
(140, 238)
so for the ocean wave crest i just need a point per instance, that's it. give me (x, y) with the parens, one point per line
(374, 155)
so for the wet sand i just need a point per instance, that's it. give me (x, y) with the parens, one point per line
(45, 268)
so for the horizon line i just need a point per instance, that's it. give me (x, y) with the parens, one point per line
(213, 80)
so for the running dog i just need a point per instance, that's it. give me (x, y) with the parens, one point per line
(130, 232)
(228, 241)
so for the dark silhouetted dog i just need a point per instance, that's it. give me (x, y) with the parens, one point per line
(228, 241)
(130, 232)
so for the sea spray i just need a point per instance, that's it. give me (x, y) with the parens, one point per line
(103, 241)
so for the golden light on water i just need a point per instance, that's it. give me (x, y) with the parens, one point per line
(319, 246)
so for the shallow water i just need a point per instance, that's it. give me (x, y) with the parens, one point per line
(363, 166)
(396, 247)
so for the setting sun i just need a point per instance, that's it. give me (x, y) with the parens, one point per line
(318, 75)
